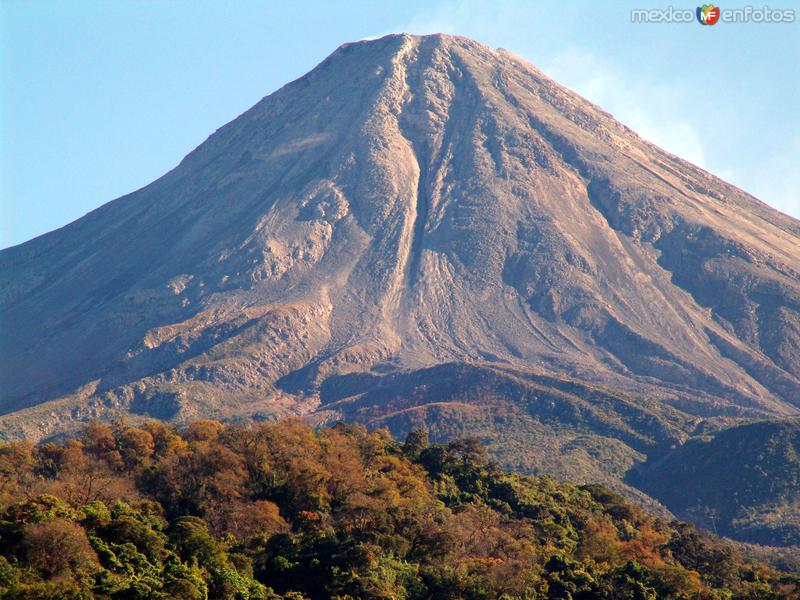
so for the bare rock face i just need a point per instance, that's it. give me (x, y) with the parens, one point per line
(416, 212)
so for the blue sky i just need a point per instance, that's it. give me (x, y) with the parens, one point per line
(101, 97)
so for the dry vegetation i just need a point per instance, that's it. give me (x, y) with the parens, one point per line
(279, 510)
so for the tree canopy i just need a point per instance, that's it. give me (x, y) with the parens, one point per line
(280, 510)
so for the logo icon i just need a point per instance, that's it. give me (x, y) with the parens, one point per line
(708, 14)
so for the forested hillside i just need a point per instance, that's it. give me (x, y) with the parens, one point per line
(743, 481)
(281, 511)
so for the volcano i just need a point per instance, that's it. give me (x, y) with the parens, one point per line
(421, 231)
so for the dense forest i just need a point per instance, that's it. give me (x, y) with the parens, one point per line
(282, 511)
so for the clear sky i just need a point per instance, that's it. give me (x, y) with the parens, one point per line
(101, 97)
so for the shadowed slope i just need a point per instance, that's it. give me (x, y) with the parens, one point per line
(742, 482)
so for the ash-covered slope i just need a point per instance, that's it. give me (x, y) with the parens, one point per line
(411, 202)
